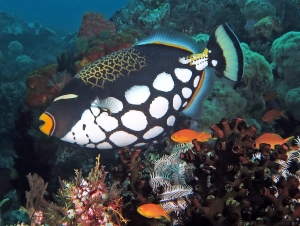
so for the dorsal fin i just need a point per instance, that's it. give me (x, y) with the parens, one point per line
(172, 38)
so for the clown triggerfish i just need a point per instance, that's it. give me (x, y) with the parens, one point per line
(133, 97)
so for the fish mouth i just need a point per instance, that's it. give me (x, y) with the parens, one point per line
(140, 211)
(48, 123)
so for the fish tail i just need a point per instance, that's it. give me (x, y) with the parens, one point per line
(289, 141)
(199, 136)
(225, 54)
(284, 114)
(167, 214)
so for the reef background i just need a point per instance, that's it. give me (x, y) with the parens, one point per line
(31, 53)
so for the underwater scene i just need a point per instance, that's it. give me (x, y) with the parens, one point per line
(150, 113)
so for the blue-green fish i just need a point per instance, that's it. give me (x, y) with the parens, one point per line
(133, 97)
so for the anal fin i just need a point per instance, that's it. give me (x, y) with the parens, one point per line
(195, 105)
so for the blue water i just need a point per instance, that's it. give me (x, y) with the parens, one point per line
(64, 14)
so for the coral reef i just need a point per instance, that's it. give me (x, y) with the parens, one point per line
(292, 100)
(39, 93)
(11, 97)
(15, 49)
(170, 177)
(235, 182)
(285, 55)
(82, 201)
(268, 19)
(130, 165)
(190, 16)
(222, 95)
(257, 79)
(93, 24)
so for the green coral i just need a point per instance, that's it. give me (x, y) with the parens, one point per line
(257, 79)
(292, 100)
(257, 9)
(223, 102)
(285, 53)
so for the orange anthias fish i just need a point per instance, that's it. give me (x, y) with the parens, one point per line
(270, 96)
(273, 139)
(187, 135)
(154, 211)
(273, 114)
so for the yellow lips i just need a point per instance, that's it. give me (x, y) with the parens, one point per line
(48, 126)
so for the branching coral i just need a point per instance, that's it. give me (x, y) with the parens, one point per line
(235, 182)
(257, 79)
(82, 201)
(129, 167)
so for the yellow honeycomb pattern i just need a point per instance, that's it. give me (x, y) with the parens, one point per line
(110, 67)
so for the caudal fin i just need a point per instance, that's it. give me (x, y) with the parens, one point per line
(225, 54)
(289, 141)
(167, 214)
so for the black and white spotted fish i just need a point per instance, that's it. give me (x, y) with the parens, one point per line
(133, 97)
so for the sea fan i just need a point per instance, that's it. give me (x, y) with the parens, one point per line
(178, 205)
(163, 163)
(178, 177)
(175, 192)
(161, 176)
(158, 180)
(171, 174)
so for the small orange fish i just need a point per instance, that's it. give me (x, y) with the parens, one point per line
(273, 139)
(270, 96)
(273, 114)
(187, 135)
(154, 211)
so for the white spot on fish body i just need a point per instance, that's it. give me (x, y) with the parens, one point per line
(108, 123)
(95, 110)
(122, 139)
(171, 120)
(159, 107)
(87, 117)
(153, 132)
(137, 94)
(90, 145)
(176, 102)
(94, 133)
(214, 63)
(196, 81)
(201, 64)
(140, 144)
(84, 130)
(184, 104)
(183, 74)
(184, 60)
(104, 145)
(135, 120)
(163, 82)
(186, 92)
